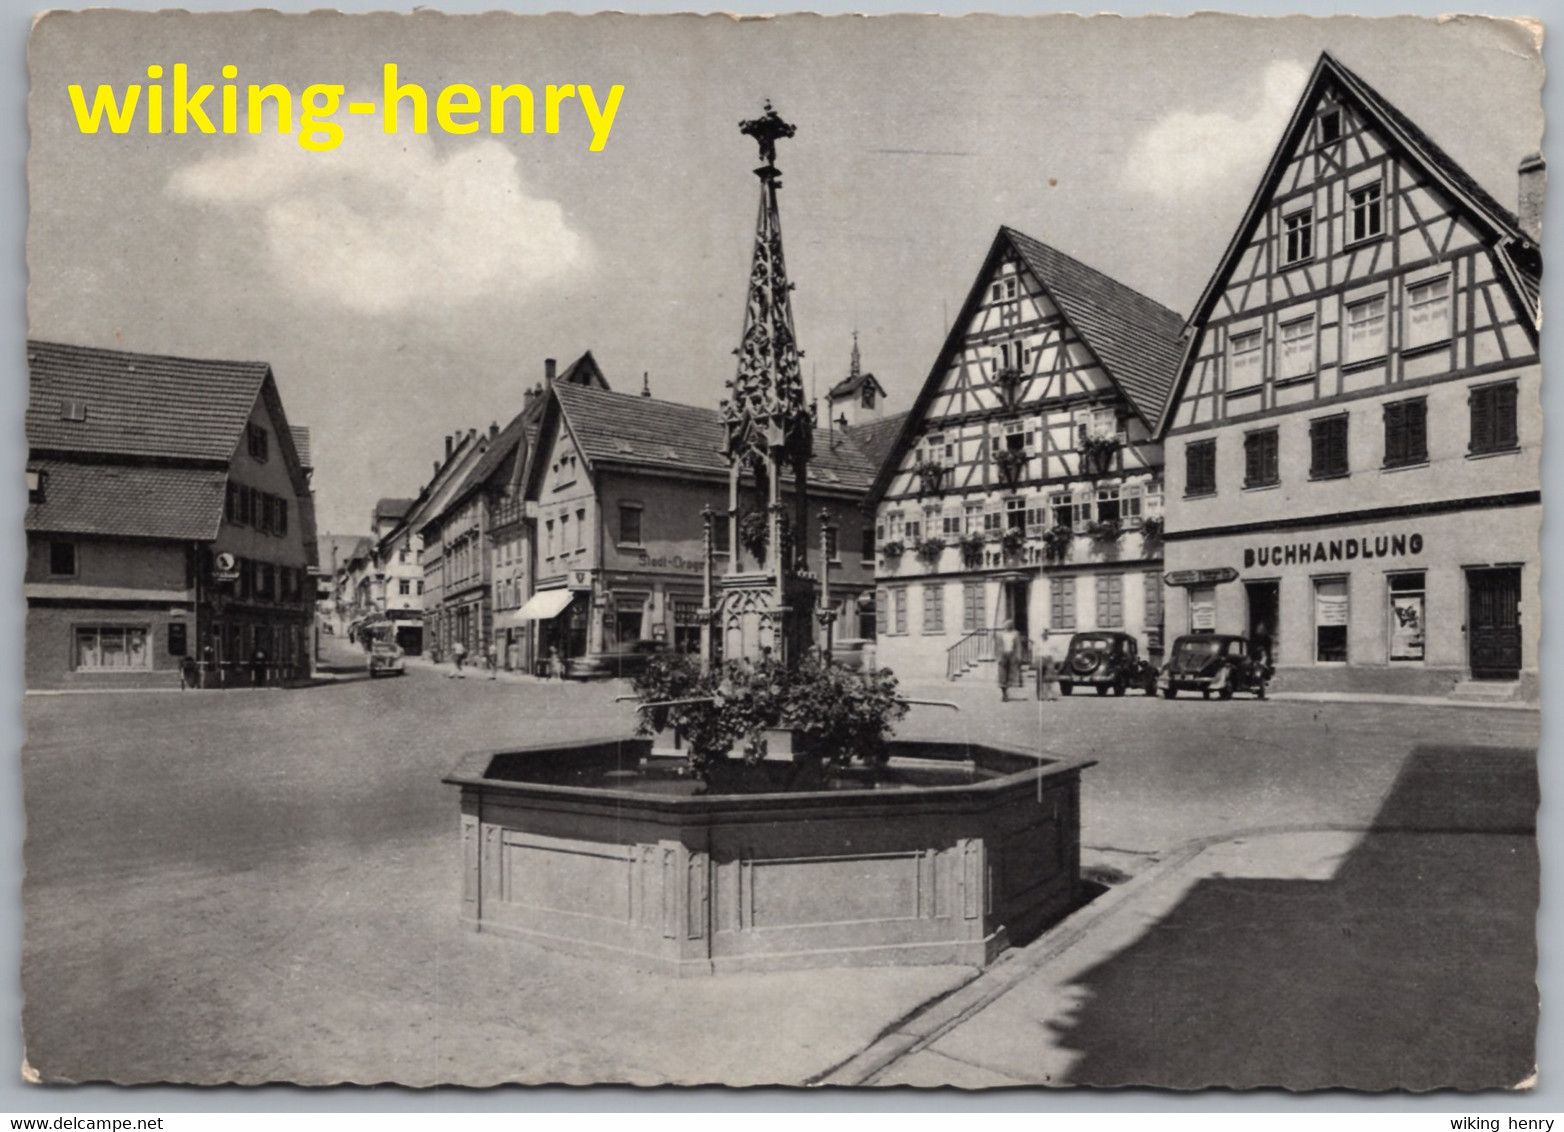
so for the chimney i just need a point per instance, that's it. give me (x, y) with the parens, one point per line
(646, 384)
(526, 400)
(548, 371)
(494, 429)
(1534, 179)
(436, 469)
(447, 446)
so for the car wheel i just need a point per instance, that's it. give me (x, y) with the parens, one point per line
(1170, 693)
(1065, 687)
(1225, 693)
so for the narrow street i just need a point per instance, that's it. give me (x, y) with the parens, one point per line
(263, 885)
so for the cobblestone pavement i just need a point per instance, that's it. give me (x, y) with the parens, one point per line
(263, 885)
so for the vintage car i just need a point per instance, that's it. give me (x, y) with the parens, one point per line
(385, 659)
(1213, 662)
(1106, 661)
(628, 658)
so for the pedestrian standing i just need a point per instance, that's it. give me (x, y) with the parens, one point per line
(492, 661)
(1047, 678)
(1007, 652)
(458, 655)
(556, 666)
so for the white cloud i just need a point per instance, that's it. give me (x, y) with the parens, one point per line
(1185, 154)
(385, 223)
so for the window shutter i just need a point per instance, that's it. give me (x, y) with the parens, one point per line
(1254, 468)
(1396, 433)
(1504, 425)
(1319, 445)
(880, 599)
(1482, 420)
(1416, 419)
(1338, 445)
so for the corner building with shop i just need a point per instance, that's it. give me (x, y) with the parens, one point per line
(1353, 446)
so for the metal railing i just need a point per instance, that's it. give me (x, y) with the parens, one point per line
(976, 647)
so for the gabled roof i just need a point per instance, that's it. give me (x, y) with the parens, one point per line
(849, 386)
(1519, 257)
(127, 500)
(632, 431)
(584, 371)
(1136, 340)
(143, 405)
(878, 438)
(392, 508)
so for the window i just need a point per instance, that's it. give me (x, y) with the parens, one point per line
(1200, 467)
(913, 529)
(403, 555)
(1100, 421)
(899, 607)
(993, 520)
(1493, 418)
(178, 638)
(973, 612)
(1153, 583)
(1036, 516)
(868, 545)
(1015, 514)
(548, 531)
(1428, 313)
(281, 516)
(1406, 616)
(973, 516)
(564, 533)
(1245, 361)
(1328, 447)
(1330, 126)
(950, 524)
(258, 442)
(405, 587)
(268, 514)
(1298, 236)
(1406, 432)
(1367, 213)
(419, 587)
(1062, 505)
(118, 648)
(1153, 493)
(934, 608)
(1365, 330)
(36, 484)
(1130, 500)
(1108, 510)
(1261, 468)
(868, 396)
(630, 524)
(1330, 620)
(1298, 352)
(1061, 603)
(1110, 601)
(62, 559)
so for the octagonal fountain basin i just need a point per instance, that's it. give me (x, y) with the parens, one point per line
(948, 855)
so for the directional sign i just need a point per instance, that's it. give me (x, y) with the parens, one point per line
(1213, 576)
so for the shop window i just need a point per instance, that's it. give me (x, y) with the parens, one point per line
(1110, 601)
(1406, 616)
(973, 612)
(62, 559)
(1493, 418)
(1298, 237)
(1406, 432)
(1200, 467)
(1061, 603)
(934, 608)
(1261, 464)
(1245, 361)
(1202, 609)
(1298, 349)
(1330, 620)
(1365, 330)
(1328, 447)
(1366, 221)
(1428, 313)
(112, 648)
(630, 524)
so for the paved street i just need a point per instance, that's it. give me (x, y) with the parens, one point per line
(263, 885)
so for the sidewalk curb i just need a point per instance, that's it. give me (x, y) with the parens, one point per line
(932, 1020)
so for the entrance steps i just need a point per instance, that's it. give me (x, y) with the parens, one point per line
(1487, 691)
(985, 671)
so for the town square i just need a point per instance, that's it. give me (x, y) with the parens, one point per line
(1103, 653)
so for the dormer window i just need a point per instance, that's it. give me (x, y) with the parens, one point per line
(1298, 236)
(35, 486)
(73, 409)
(868, 396)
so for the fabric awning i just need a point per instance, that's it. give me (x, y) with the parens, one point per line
(545, 604)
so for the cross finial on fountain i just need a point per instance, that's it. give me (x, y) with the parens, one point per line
(767, 130)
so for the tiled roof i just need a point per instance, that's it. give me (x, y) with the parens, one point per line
(624, 429)
(139, 404)
(392, 508)
(878, 438)
(301, 444)
(850, 385)
(499, 448)
(1135, 338)
(128, 500)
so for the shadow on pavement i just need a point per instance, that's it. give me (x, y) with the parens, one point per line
(1412, 967)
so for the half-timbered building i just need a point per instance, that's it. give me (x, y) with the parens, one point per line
(1354, 440)
(1026, 485)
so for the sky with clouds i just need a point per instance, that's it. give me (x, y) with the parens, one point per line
(405, 286)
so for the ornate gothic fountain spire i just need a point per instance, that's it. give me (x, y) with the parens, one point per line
(766, 413)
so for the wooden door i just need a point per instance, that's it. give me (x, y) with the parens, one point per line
(1493, 623)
